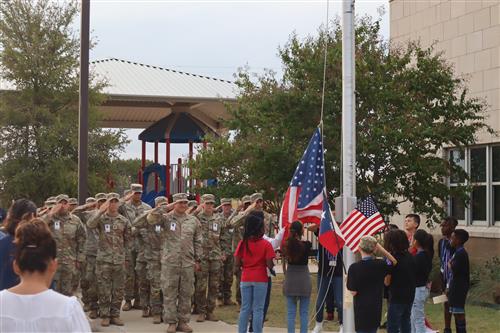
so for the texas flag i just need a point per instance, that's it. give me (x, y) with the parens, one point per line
(330, 235)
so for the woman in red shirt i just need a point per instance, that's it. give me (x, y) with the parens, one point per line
(253, 256)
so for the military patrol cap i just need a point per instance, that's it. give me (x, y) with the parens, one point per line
(127, 191)
(73, 201)
(192, 203)
(368, 244)
(90, 200)
(161, 200)
(208, 198)
(136, 188)
(225, 201)
(50, 201)
(180, 197)
(256, 196)
(246, 199)
(101, 197)
(62, 197)
(113, 196)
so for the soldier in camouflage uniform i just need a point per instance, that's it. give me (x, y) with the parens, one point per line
(209, 275)
(73, 203)
(49, 203)
(182, 248)
(89, 284)
(135, 263)
(114, 235)
(226, 244)
(235, 221)
(69, 235)
(152, 235)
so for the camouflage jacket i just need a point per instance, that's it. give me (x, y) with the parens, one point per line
(237, 221)
(152, 234)
(211, 229)
(182, 242)
(69, 234)
(92, 234)
(114, 236)
(131, 212)
(226, 235)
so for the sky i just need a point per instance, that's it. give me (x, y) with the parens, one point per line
(211, 38)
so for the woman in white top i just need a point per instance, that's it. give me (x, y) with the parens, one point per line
(31, 306)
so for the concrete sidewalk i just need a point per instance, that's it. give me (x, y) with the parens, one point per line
(135, 323)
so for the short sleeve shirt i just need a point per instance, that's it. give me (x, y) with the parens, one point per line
(254, 267)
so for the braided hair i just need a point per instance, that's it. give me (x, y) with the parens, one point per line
(253, 228)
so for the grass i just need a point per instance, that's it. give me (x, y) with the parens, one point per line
(479, 319)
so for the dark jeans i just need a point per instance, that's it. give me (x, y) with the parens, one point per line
(324, 283)
(398, 318)
(266, 304)
(371, 331)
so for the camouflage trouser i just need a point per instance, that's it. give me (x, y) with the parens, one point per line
(78, 276)
(178, 286)
(154, 276)
(81, 279)
(131, 285)
(238, 290)
(89, 283)
(63, 279)
(143, 282)
(110, 288)
(226, 278)
(208, 277)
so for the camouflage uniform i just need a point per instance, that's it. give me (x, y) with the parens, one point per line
(226, 242)
(209, 274)
(114, 235)
(182, 247)
(69, 234)
(136, 283)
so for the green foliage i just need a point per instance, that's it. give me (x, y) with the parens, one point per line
(124, 173)
(410, 107)
(39, 54)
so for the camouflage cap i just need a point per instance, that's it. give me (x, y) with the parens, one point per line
(208, 198)
(136, 188)
(112, 196)
(101, 197)
(246, 199)
(161, 200)
(225, 201)
(62, 197)
(90, 200)
(127, 191)
(73, 201)
(192, 203)
(256, 196)
(50, 201)
(180, 197)
(368, 244)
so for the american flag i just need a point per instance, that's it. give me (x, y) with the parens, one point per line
(304, 197)
(362, 221)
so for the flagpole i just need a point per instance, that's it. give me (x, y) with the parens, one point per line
(348, 142)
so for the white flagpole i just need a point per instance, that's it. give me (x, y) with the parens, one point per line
(348, 142)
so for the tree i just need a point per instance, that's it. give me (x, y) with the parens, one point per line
(410, 106)
(39, 55)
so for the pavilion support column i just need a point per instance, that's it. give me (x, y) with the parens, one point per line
(143, 161)
(167, 170)
(156, 162)
(190, 166)
(179, 175)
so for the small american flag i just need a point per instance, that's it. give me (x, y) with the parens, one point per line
(304, 197)
(364, 220)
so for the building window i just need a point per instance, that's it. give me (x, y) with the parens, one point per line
(482, 163)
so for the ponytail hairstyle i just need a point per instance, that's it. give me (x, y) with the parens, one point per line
(426, 241)
(20, 210)
(35, 246)
(253, 228)
(294, 247)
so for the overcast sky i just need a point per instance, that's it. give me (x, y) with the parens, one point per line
(207, 37)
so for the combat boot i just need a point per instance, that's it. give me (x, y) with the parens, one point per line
(145, 312)
(229, 302)
(86, 307)
(171, 328)
(211, 317)
(127, 306)
(157, 319)
(184, 327)
(137, 305)
(105, 322)
(93, 314)
(116, 321)
(201, 318)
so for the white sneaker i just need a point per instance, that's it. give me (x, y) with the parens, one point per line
(318, 328)
(341, 329)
